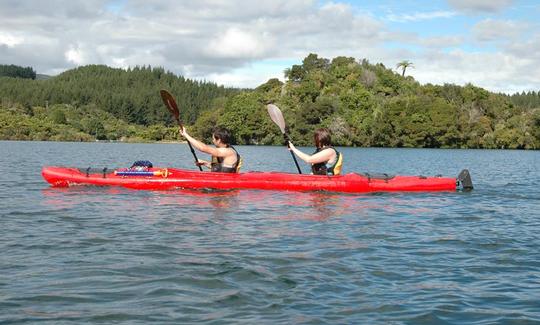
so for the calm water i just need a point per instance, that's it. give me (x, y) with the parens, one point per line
(107, 255)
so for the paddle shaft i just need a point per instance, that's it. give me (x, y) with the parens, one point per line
(190, 147)
(293, 156)
(194, 155)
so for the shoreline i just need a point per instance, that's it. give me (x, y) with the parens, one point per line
(260, 145)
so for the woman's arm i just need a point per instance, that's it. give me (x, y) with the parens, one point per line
(321, 156)
(199, 145)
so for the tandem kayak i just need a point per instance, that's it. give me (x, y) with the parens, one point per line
(171, 178)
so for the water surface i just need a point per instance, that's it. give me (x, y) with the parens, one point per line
(112, 255)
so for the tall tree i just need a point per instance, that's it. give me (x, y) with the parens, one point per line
(404, 65)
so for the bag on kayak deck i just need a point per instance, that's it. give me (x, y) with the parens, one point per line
(141, 165)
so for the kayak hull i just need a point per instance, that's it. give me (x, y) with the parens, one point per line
(171, 178)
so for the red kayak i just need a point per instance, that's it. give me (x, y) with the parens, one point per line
(171, 178)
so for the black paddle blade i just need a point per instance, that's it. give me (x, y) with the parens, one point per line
(169, 101)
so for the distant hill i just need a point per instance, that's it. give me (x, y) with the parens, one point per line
(369, 105)
(131, 95)
(16, 71)
(42, 76)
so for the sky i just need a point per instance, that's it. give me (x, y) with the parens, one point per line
(494, 44)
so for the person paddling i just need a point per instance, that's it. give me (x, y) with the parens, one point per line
(225, 158)
(326, 160)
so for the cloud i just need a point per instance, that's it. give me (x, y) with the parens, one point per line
(235, 79)
(441, 41)
(237, 43)
(52, 9)
(419, 16)
(208, 36)
(528, 49)
(226, 41)
(208, 11)
(9, 39)
(498, 30)
(479, 6)
(74, 55)
(498, 71)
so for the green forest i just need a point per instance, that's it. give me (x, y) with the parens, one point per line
(17, 72)
(363, 104)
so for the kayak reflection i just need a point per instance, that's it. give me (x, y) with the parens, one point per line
(204, 205)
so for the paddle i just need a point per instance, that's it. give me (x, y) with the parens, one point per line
(173, 108)
(277, 117)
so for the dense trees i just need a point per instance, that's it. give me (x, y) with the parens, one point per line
(369, 105)
(64, 122)
(131, 95)
(530, 99)
(15, 71)
(363, 104)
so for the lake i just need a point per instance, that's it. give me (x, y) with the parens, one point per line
(113, 255)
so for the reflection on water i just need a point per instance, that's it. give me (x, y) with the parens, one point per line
(315, 206)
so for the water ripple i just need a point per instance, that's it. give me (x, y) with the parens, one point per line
(102, 255)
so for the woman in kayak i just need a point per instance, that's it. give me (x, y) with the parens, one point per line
(326, 160)
(225, 158)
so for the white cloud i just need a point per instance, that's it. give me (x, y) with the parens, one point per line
(419, 16)
(9, 39)
(498, 30)
(479, 6)
(441, 41)
(226, 41)
(245, 78)
(235, 79)
(74, 55)
(497, 71)
(237, 43)
(211, 36)
(527, 49)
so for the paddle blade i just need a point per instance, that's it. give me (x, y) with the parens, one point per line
(169, 101)
(276, 116)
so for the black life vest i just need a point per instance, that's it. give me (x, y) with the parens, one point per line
(323, 168)
(217, 164)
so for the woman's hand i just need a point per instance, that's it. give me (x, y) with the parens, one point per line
(202, 163)
(291, 146)
(183, 131)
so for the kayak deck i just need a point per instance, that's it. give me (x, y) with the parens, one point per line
(171, 178)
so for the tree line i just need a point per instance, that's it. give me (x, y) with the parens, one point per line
(363, 104)
(131, 95)
(530, 99)
(16, 71)
(369, 105)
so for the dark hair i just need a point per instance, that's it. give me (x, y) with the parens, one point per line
(322, 138)
(222, 134)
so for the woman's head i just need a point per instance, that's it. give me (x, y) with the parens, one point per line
(222, 134)
(322, 138)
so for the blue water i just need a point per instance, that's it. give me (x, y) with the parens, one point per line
(110, 255)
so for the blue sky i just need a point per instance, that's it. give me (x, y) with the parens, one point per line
(493, 44)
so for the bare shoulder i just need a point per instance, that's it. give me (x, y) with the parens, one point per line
(226, 152)
(329, 152)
